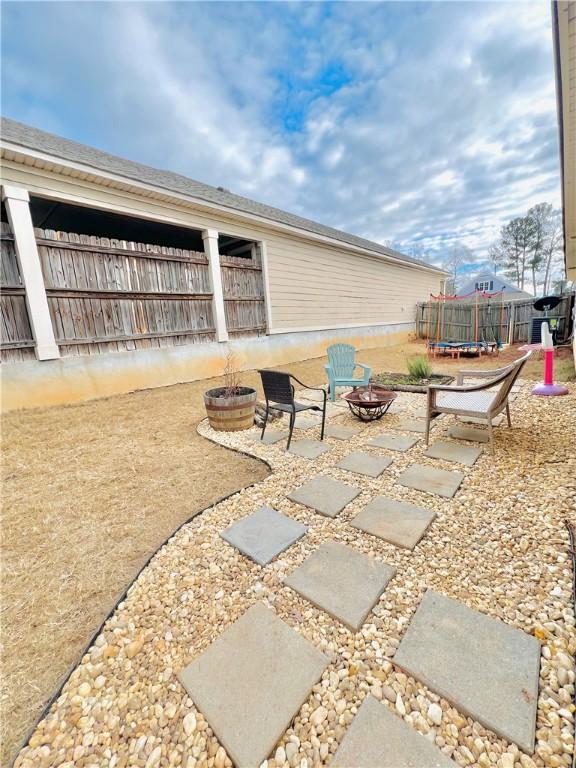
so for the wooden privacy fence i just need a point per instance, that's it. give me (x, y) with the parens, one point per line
(112, 295)
(508, 322)
(108, 295)
(243, 288)
(17, 338)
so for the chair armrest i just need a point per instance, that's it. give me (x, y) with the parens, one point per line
(366, 368)
(458, 388)
(492, 374)
(316, 389)
(327, 367)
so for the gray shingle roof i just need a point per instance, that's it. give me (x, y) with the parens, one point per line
(31, 138)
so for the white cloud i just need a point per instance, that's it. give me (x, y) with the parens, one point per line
(424, 124)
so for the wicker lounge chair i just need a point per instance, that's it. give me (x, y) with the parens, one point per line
(483, 401)
(279, 394)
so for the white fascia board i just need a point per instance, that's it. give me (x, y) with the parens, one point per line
(152, 190)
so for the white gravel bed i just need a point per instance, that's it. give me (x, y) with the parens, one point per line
(500, 547)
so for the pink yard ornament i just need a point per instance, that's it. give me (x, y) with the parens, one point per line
(547, 388)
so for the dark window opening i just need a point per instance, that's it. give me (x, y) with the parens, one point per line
(228, 245)
(63, 217)
(3, 213)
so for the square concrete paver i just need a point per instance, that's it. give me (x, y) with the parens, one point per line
(431, 480)
(421, 413)
(272, 436)
(342, 582)
(471, 434)
(398, 522)
(411, 425)
(308, 449)
(378, 738)
(394, 442)
(263, 534)
(461, 454)
(325, 495)
(365, 463)
(486, 668)
(496, 421)
(341, 433)
(251, 682)
(307, 422)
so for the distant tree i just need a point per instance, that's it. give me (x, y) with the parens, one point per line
(530, 245)
(513, 250)
(552, 250)
(458, 255)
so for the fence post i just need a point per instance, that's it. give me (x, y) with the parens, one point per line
(512, 322)
(210, 239)
(16, 200)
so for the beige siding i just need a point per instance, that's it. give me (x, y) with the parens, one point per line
(567, 56)
(311, 285)
(314, 286)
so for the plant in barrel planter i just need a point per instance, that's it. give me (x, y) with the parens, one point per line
(230, 408)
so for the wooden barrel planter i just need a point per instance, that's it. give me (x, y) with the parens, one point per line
(230, 414)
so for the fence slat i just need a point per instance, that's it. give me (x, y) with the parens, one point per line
(17, 342)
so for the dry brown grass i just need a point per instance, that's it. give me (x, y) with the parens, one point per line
(89, 493)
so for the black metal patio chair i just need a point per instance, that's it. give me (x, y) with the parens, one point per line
(279, 392)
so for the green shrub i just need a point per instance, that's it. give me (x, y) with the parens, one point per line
(419, 368)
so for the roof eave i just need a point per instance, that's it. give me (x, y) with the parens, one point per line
(56, 163)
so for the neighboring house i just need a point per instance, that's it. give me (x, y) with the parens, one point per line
(119, 276)
(491, 283)
(564, 26)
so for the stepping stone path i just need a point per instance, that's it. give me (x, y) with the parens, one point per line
(341, 433)
(398, 522)
(496, 421)
(469, 433)
(421, 413)
(394, 442)
(431, 480)
(411, 425)
(325, 495)
(377, 737)
(308, 449)
(311, 395)
(271, 436)
(484, 667)
(264, 534)
(251, 682)
(365, 463)
(307, 422)
(461, 454)
(342, 582)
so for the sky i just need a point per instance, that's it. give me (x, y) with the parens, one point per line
(422, 125)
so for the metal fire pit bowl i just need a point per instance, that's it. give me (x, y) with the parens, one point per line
(369, 403)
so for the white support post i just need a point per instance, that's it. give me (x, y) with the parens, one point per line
(17, 202)
(210, 238)
(266, 282)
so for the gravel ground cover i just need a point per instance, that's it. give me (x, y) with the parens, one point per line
(499, 546)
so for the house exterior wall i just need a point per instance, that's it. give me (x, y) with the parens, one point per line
(498, 284)
(312, 287)
(566, 94)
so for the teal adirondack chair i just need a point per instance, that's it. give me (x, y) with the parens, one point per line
(340, 368)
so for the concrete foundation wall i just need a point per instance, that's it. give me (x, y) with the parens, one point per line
(73, 379)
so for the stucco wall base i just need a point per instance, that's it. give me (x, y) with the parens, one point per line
(73, 379)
